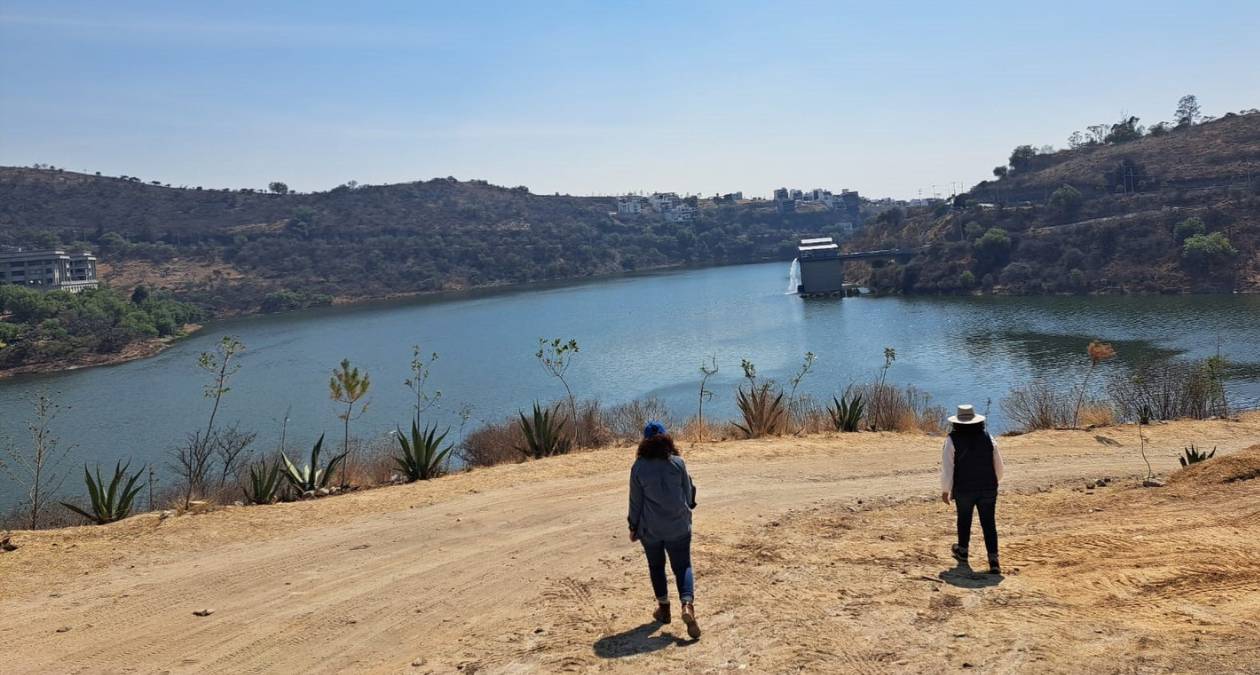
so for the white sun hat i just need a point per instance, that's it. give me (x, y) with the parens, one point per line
(966, 415)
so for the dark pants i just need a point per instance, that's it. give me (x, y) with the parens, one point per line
(984, 501)
(679, 552)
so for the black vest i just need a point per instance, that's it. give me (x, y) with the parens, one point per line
(973, 460)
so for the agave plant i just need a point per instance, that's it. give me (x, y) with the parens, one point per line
(265, 481)
(544, 436)
(108, 503)
(311, 477)
(421, 456)
(846, 413)
(1193, 455)
(762, 408)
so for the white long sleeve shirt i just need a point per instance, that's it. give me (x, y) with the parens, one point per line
(947, 464)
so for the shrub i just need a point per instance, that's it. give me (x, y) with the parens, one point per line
(1204, 251)
(265, 480)
(544, 434)
(847, 411)
(993, 249)
(1038, 406)
(1166, 391)
(1193, 455)
(493, 443)
(311, 477)
(625, 421)
(1065, 202)
(762, 409)
(109, 504)
(422, 456)
(890, 408)
(1188, 228)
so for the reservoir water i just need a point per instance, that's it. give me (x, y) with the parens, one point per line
(640, 336)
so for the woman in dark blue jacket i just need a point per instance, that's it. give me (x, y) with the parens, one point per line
(662, 497)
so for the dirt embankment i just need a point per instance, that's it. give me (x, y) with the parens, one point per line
(822, 554)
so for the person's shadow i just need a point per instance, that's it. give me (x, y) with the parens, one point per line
(638, 640)
(962, 576)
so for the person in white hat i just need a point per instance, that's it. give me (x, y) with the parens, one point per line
(971, 467)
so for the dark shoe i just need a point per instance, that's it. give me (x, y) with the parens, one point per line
(994, 567)
(960, 553)
(662, 614)
(689, 618)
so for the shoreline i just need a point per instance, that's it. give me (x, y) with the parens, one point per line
(154, 346)
(132, 352)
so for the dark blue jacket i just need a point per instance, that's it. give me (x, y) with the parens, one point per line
(661, 499)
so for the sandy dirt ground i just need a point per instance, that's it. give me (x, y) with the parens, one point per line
(821, 554)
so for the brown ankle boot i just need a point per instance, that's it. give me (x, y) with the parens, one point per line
(661, 615)
(689, 618)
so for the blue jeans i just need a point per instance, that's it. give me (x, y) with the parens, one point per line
(679, 552)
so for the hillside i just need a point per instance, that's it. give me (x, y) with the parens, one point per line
(230, 250)
(1113, 229)
(818, 554)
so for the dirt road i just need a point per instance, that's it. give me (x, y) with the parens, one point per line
(823, 553)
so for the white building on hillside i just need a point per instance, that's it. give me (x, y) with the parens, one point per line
(50, 270)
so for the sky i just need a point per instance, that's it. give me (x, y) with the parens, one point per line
(892, 99)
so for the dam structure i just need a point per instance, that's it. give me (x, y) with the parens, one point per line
(819, 267)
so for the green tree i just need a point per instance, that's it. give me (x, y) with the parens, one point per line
(1021, 158)
(1203, 252)
(992, 249)
(1187, 112)
(278, 187)
(1065, 202)
(348, 386)
(1188, 228)
(1124, 131)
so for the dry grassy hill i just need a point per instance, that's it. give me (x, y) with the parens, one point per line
(1114, 228)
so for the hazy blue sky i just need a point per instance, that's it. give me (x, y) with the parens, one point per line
(886, 98)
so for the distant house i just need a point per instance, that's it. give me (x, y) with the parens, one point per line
(663, 201)
(49, 270)
(681, 214)
(629, 205)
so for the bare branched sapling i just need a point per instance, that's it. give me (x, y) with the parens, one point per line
(38, 468)
(706, 371)
(556, 356)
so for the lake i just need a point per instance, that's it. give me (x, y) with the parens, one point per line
(643, 335)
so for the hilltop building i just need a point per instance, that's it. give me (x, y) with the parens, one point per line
(629, 205)
(49, 270)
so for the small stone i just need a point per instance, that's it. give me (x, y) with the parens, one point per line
(1153, 482)
(165, 514)
(203, 612)
(63, 629)
(418, 662)
(538, 631)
